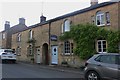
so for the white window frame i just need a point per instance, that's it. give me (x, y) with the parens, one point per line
(68, 48)
(3, 36)
(19, 37)
(30, 34)
(66, 27)
(101, 41)
(100, 15)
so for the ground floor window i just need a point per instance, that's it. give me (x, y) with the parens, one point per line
(101, 46)
(29, 50)
(18, 51)
(68, 48)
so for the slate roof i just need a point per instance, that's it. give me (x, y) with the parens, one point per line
(74, 13)
(18, 28)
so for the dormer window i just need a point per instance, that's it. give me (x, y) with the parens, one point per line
(66, 26)
(100, 20)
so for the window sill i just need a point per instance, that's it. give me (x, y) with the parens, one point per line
(102, 52)
(101, 25)
(67, 54)
(108, 24)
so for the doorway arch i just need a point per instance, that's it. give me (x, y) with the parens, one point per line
(45, 57)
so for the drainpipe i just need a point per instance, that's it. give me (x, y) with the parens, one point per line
(49, 42)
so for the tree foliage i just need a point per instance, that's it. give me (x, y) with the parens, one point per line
(85, 36)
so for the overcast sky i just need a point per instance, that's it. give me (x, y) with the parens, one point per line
(12, 10)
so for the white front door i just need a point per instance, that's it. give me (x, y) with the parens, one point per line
(54, 55)
(38, 55)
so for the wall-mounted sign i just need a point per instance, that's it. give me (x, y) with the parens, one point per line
(53, 38)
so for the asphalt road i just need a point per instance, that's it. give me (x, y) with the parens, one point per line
(31, 71)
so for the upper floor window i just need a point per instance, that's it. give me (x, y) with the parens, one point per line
(19, 37)
(100, 20)
(101, 46)
(30, 34)
(66, 26)
(3, 36)
(107, 18)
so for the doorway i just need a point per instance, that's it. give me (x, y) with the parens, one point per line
(45, 57)
(54, 55)
(38, 55)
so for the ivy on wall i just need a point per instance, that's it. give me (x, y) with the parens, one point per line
(85, 36)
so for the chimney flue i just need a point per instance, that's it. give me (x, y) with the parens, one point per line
(94, 2)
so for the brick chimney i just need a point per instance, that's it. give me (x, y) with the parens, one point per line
(7, 25)
(42, 19)
(21, 21)
(94, 2)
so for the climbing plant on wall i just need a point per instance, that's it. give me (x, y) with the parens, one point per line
(85, 36)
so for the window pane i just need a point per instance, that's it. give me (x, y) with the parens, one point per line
(67, 47)
(110, 59)
(101, 46)
(67, 25)
(104, 42)
(102, 19)
(104, 59)
(98, 59)
(98, 20)
(99, 50)
(104, 50)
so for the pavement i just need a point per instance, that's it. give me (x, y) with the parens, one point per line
(55, 67)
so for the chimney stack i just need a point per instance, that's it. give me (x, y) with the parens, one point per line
(42, 19)
(94, 2)
(7, 25)
(21, 21)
